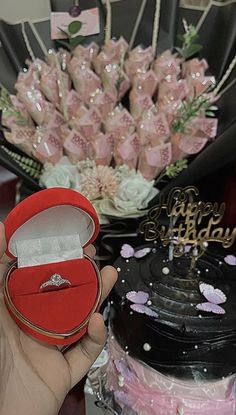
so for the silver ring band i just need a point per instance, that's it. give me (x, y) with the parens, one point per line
(55, 281)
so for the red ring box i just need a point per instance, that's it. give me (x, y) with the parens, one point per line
(46, 234)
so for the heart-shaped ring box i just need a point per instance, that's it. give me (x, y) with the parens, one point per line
(53, 288)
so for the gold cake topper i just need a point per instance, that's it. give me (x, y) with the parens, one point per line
(180, 206)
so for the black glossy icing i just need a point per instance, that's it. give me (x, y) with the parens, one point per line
(185, 342)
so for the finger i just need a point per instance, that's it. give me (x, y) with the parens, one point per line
(109, 276)
(3, 243)
(84, 354)
(90, 250)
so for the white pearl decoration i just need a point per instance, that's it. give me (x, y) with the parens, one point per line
(118, 269)
(149, 302)
(205, 369)
(146, 347)
(165, 270)
(196, 346)
(123, 281)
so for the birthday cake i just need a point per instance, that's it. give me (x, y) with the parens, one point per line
(173, 328)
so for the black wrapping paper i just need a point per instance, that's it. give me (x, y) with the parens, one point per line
(218, 50)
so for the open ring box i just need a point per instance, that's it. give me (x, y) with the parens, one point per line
(46, 234)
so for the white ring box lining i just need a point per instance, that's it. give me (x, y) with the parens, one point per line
(56, 234)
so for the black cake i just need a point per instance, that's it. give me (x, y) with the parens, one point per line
(180, 341)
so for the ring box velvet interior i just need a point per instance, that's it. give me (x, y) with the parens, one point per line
(46, 234)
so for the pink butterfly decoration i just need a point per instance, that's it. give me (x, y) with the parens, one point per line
(140, 298)
(127, 251)
(214, 297)
(230, 260)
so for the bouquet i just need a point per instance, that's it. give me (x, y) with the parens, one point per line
(71, 119)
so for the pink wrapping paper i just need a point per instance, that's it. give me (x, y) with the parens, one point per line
(84, 79)
(115, 80)
(47, 146)
(204, 127)
(153, 129)
(103, 59)
(153, 160)
(62, 56)
(139, 103)
(145, 83)
(172, 91)
(167, 66)
(139, 60)
(102, 148)
(117, 47)
(86, 53)
(10, 118)
(194, 67)
(199, 85)
(89, 123)
(76, 147)
(148, 392)
(22, 137)
(72, 103)
(186, 145)
(103, 101)
(120, 122)
(170, 110)
(127, 151)
(35, 103)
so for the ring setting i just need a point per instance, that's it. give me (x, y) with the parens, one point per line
(55, 281)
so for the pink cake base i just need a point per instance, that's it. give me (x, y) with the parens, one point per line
(148, 392)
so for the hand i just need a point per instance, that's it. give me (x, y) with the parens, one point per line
(35, 377)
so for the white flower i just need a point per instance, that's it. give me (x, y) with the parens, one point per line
(134, 192)
(63, 174)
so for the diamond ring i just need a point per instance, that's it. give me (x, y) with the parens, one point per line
(55, 281)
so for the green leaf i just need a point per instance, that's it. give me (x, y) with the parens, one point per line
(75, 41)
(74, 27)
(65, 44)
(191, 50)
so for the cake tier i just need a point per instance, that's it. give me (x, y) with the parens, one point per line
(179, 340)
